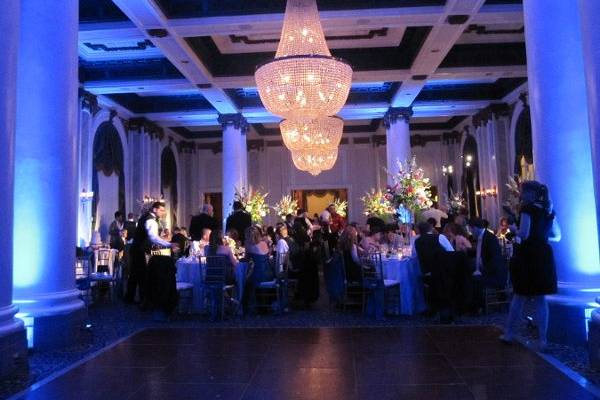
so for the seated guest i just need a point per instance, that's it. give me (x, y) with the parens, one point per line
(457, 237)
(348, 247)
(436, 214)
(375, 223)
(370, 243)
(217, 247)
(181, 240)
(201, 221)
(491, 270)
(391, 238)
(258, 250)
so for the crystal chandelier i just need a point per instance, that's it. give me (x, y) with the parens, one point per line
(308, 134)
(314, 161)
(304, 80)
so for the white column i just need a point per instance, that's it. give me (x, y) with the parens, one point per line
(397, 138)
(244, 158)
(234, 166)
(590, 13)
(45, 171)
(9, 40)
(561, 141)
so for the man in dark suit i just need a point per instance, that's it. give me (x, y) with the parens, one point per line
(204, 220)
(239, 219)
(491, 270)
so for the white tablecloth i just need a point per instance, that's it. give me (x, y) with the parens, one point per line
(191, 271)
(408, 273)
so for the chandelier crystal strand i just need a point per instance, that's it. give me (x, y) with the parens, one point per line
(307, 134)
(303, 81)
(314, 161)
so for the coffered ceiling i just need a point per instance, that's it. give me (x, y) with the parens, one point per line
(179, 63)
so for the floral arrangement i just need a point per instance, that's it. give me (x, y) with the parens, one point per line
(377, 204)
(411, 190)
(456, 202)
(286, 206)
(254, 203)
(340, 207)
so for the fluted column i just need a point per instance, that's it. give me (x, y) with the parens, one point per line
(397, 137)
(235, 169)
(46, 193)
(12, 332)
(590, 32)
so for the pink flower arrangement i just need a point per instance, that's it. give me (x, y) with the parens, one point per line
(411, 189)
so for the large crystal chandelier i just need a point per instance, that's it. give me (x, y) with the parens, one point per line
(304, 80)
(314, 161)
(308, 134)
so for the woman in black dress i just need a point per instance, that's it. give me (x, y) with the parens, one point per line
(533, 273)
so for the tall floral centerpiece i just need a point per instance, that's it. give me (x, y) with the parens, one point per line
(377, 204)
(511, 205)
(286, 206)
(254, 202)
(340, 207)
(410, 191)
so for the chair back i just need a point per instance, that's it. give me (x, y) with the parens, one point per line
(372, 269)
(262, 269)
(215, 270)
(104, 260)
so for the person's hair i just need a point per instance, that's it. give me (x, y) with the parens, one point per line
(118, 214)
(253, 236)
(271, 233)
(288, 217)
(300, 212)
(390, 228)
(347, 239)
(233, 234)
(477, 223)
(375, 229)
(503, 219)
(534, 192)
(486, 223)
(130, 215)
(215, 240)
(424, 227)
(279, 227)
(432, 221)
(158, 204)
(237, 205)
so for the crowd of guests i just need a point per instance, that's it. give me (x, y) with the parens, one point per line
(460, 258)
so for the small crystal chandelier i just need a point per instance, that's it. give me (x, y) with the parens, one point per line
(304, 80)
(314, 161)
(308, 134)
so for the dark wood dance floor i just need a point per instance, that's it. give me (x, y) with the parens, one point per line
(426, 363)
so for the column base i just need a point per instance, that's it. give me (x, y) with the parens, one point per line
(570, 311)
(53, 321)
(13, 342)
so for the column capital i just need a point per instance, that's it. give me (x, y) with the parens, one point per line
(237, 120)
(493, 110)
(394, 114)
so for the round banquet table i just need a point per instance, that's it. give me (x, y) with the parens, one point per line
(408, 273)
(190, 270)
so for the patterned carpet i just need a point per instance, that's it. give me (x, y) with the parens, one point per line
(111, 322)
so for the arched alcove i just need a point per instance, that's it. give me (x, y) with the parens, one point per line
(108, 177)
(523, 141)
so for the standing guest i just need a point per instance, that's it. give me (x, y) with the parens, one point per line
(303, 221)
(533, 272)
(504, 229)
(457, 237)
(203, 220)
(435, 213)
(145, 237)
(289, 221)
(115, 229)
(325, 217)
(130, 225)
(239, 219)
(338, 223)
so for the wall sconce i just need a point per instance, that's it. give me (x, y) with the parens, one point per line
(447, 170)
(468, 160)
(152, 199)
(483, 193)
(86, 196)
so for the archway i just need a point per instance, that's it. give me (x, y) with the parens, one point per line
(168, 184)
(523, 144)
(108, 177)
(471, 176)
